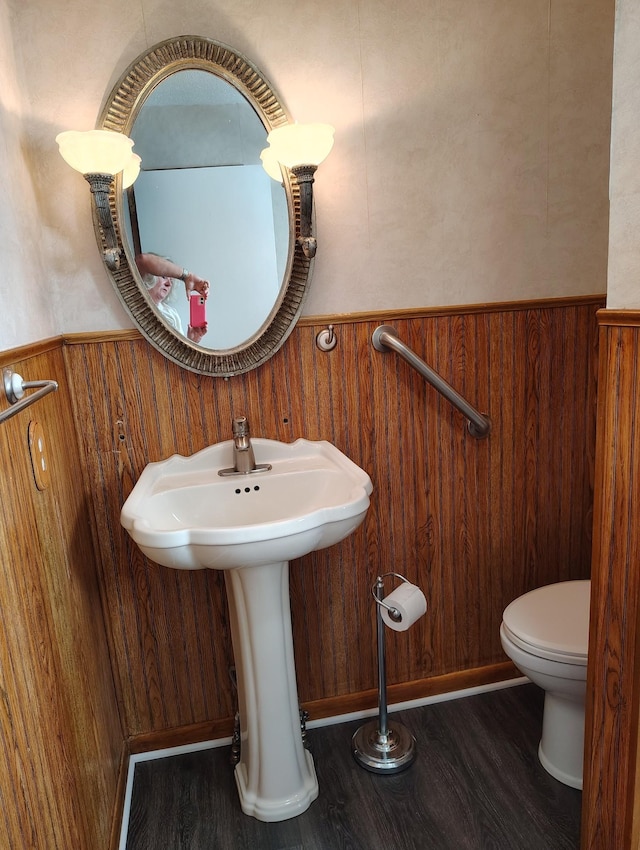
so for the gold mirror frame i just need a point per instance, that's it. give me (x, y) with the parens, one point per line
(119, 114)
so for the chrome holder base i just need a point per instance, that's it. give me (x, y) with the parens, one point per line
(380, 753)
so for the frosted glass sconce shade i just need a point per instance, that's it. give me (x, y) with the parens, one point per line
(301, 144)
(270, 164)
(95, 151)
(131, 170)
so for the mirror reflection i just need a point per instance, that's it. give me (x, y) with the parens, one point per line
(204, 201)
(159, 277)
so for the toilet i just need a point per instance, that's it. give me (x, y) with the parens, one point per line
(546, 634)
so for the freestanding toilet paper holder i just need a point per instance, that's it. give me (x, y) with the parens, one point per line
(383, 745)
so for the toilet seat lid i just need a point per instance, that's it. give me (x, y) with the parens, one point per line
(552, 621)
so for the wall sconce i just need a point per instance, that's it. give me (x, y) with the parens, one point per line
(301, 148)
(99, 155)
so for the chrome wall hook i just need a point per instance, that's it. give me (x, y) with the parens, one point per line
(327, 340)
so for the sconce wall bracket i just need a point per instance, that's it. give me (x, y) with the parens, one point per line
(304, 176)
(100, 185)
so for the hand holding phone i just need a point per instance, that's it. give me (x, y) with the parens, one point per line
(197, 311)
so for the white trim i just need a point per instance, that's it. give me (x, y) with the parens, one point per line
(312, 724)
(417, 703)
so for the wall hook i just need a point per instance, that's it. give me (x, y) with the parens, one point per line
(326, 340)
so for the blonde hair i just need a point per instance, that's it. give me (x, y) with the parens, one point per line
(149, 280)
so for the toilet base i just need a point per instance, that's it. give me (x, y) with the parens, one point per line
(561, 749)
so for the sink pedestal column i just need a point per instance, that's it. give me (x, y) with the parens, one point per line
(276, 777)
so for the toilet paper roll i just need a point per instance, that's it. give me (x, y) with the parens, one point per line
(410, 603)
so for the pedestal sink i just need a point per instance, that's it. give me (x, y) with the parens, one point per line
(183, 514)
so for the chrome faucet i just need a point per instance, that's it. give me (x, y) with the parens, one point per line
(244, 461)
(243, 457)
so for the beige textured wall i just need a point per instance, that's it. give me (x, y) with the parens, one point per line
(26, 313)
(471, 155)
(624, 240)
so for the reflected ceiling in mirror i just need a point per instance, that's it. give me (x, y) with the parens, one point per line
(199, 114)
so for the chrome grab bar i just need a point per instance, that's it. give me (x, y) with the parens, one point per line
(14, 388)
(385, 338)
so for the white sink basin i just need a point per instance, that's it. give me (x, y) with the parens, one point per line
(182, 514)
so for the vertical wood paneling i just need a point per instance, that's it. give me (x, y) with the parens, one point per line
(60, 735)
(612, 818)
(475, 523)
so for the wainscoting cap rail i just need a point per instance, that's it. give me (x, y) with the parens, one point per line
(385, 337)
(14, 388)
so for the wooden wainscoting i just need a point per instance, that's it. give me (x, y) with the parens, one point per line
(60, 734)
(474, 523)
(611, 814)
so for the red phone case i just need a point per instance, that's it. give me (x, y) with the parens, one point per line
(197, 313)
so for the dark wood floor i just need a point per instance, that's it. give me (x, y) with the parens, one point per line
(476, 785)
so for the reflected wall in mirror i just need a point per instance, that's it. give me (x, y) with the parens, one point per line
(199, 114)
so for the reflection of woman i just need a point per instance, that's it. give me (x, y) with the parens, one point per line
(157, 275)
(159, 289)
(164, 267)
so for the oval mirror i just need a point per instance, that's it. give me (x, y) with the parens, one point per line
(199, 114)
